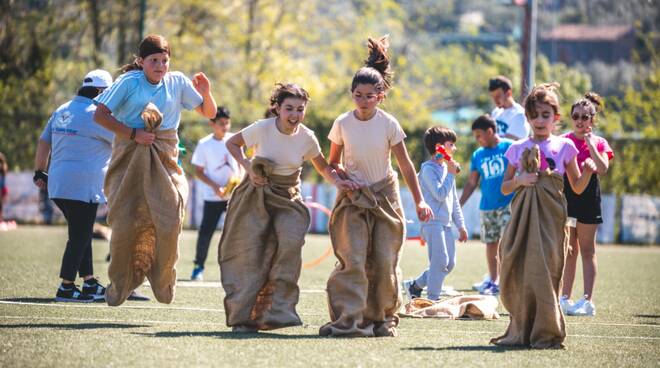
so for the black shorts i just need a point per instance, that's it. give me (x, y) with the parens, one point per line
(584, 207)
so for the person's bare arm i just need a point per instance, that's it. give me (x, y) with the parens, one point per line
(41, 161)
(579, 181)
(601, 160)
(331, 175)
(199, 174)
(235, 147)
(103, 116)
(424, 212)
(202, 84)
(469, 187)
(511, 182)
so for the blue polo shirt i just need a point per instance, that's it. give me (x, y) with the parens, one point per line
(491, 165)
(131, 92)
(80, 152)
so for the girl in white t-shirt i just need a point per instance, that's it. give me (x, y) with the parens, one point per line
(367, 226)
(260, 250)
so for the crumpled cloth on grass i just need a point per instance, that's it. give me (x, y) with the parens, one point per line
(260, 250)
(469, 306)
(532, 254)
(146, 192)
(367, 229)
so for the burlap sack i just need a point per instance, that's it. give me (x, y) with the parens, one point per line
(367, 229)
(469, 306)
(146, 192)
(260, 251)
(532, 254)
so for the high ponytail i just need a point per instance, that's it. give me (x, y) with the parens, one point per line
(376, 70)
(592, 102)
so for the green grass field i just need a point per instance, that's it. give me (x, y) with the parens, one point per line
(35, 331)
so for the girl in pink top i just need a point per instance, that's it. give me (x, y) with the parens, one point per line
(584, 209)
(557, 153)
(533, 247)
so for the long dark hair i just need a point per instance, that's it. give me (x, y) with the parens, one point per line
(376, 70)
(152, 44)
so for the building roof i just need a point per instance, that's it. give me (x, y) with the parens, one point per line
(586, 32)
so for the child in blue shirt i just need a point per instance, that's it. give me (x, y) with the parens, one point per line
(487, 169)
(437, 181)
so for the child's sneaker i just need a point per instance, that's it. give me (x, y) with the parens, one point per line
(491, 289)
(450, 291)
(412, 290)
(197, 274)
(583, 307)
(137, 296)
(93, 288)
(70, 293)
(480, 286)
(565, 304)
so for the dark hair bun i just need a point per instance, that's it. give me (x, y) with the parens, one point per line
(595, 99)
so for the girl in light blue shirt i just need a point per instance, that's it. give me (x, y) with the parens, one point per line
(148, 80)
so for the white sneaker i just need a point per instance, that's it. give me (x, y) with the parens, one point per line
(583, 307)
(450, 291)
(480, 286)
(565, 304)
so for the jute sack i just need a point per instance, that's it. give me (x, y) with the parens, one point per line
(146, 192)
(260, 250)
(532, 255)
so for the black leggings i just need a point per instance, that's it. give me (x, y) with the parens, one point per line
(80, 218)
(212, 213)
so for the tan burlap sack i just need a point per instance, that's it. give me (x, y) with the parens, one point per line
(532, 254)
(468, 306)
(146, 192)
(260, 251)
(367, 229)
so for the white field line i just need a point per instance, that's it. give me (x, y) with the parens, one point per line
(436, 331)
(218, 310)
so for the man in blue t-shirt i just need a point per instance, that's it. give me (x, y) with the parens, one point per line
(488, 165)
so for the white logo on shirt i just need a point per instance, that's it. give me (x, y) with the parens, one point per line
(64, 119)
(492, 167)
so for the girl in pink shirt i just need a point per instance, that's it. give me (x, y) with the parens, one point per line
(584, 209)
(533, 246)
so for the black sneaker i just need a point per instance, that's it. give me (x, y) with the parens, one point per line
(137, 296)
(93, 288)
(411, 289)
(72, 294)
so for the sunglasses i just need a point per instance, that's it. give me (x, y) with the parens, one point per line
(584, 117)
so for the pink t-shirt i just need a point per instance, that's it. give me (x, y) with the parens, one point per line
(583, 148)
(556, 152)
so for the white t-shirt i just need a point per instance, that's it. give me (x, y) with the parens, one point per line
(218, 164)
(511, 121)
(367, 145)
(288, 152)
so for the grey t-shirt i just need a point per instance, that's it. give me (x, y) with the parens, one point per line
(80, 152)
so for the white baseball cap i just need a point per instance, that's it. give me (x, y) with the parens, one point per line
(98, 78)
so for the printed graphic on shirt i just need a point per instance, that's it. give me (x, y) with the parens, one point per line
(62, 121)
(493, 166)
(502, 127)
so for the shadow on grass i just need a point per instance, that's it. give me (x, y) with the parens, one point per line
(72, 326)
(491, 348)
(30, 300)
(228, 335)
(647, 315)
